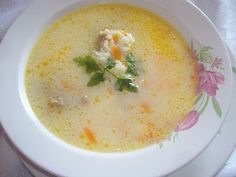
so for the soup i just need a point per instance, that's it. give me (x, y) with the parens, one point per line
(111, 77)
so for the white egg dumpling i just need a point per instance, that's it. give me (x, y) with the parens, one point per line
(114, 44)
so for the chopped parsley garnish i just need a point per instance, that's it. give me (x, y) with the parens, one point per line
(126, 84)
(96, 79)
(110, 63)
(88, 62)
(98, 70)
(132, 69)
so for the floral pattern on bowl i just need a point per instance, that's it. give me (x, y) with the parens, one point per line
(234, 69)
(209, 70)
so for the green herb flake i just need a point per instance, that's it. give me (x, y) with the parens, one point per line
(131, 66)
(96, 79)
(132, 70)
(126, 84)
(130, 58)
(110, 63)
(89, 63)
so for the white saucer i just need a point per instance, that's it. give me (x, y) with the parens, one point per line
(205, 165)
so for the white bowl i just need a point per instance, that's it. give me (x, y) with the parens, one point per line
(59, 158)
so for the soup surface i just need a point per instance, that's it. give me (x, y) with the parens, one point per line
(102, 118)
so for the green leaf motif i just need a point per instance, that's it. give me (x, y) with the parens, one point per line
(204, 106)
(198, 98)
(131, 66)
(161, 145)
(89, 63)
(191, 45)
(216, 106)
(96, 79)
(110, 63)
(205, 55)
(125, 84)
(234, 69)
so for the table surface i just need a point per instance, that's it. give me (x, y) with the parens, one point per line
(222, 13)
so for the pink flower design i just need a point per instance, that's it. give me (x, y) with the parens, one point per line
(209, 80)
(190, 120)
(216, 63)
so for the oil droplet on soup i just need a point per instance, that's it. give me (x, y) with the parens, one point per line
(101, 118)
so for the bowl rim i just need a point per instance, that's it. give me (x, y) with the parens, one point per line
(8, 39)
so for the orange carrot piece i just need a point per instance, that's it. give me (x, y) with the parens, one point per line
(145, 82)
(116, 38)
(145, 108)
(116, 52)
(110, 91)
(90, 135)
(123, 32)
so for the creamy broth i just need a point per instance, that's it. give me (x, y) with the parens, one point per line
(101, 118)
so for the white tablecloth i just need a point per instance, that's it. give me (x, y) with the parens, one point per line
(221, 12)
